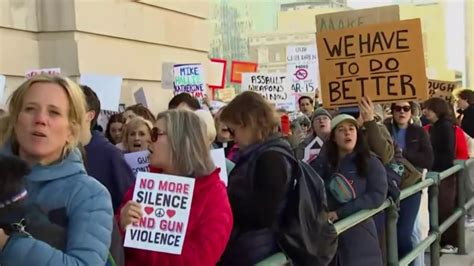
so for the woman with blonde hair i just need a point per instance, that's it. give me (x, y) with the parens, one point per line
(180, 146)
(42, 128)
(137, 135)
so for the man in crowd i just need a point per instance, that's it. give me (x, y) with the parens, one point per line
(306, 105)
(103, 160)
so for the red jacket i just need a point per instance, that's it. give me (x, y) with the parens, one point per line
(462, 151)
(209, 228)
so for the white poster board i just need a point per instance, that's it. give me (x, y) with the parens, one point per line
(167, 77)
(218, 157)
(166, 201)
(189, 78)
(302, 66)
(50, 71)
(313, 149)
(274, 87)
(138, 161)
(107, 88)
(140, 97)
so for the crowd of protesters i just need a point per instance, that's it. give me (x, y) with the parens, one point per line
(52, 157)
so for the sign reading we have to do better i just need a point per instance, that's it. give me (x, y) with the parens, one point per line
(166, 202)
(384, 62)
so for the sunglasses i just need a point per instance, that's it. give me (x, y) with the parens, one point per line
(155, 133)
(400, 108)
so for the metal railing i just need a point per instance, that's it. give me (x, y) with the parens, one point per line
(433, 239)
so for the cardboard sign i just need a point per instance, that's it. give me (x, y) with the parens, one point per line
(357, 18)
(313, 149)
(3, 81)
(442, 89)
(239, 67)
(274, 87)
(140, 97)
(50, 71)
(384, 62)
(218, 157)
(166, 201)
(167, 76)
(189, 78)
(226, 95)
(138, 161)
(216, 73)
(107, 88)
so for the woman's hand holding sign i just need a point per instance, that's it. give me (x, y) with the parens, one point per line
(130, 213)
(366, 109)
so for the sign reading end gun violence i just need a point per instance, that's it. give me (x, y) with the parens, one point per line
(384, 62)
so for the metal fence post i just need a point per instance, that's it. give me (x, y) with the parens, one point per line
(392, 241)
(434, 222)
(461, 200)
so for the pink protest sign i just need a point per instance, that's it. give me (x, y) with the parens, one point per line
(166, 202)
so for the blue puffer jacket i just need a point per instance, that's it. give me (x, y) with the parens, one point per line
(88, 209)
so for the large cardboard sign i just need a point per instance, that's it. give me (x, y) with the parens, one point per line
(442, 89)
(138, 161)
(384, 62)
(189, 78)
(239, 67)
(166, 201)
(357, 18)
(274, 87)
(50, 71)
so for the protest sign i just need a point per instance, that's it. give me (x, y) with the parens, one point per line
(107, 88)
(216, 73)
(138, 161)
(50, 71)
(166, 201)
(239, 67)
(274, 87)
(442, 89)
(189, 78)
(357, 18)
(140, 97)
(301, 63)
(225, 95)
(312, 150)
(218, 157)
(167, 76)
(384, 62)
(3, 81)
(103, 118)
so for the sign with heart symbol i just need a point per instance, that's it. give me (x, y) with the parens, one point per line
(166, 201)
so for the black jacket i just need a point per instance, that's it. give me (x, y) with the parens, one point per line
(467, 123)
(418, 150)
(443, 141)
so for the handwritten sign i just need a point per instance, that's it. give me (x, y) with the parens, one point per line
(313, 149)
(383, 61)
(50, 71)
(442, 89)
(239, 67)
(218, 157)
(357, 18)
(275, 88)
(138, 161)
(302, 66)
(166, 201)
(189, 78)
(108, 89)
(225, 95)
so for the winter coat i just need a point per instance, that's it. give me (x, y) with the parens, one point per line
(257, 188)
(209, 228)
(418, 150)
(88, 209)
(379, 140)
(371, 191)
(443, 141)
(105, 163)
(467, 123)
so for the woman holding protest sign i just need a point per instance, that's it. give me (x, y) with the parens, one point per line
(353, 182)
(180, 147)
(137, 135)
(45, 116)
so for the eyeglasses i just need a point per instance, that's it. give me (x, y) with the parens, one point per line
(155, 133)
(400, 108)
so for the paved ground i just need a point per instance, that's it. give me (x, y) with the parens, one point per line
(459, 260)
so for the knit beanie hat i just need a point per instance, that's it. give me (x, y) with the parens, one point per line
(319, 112)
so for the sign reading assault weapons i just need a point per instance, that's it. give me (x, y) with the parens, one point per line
(384, 62)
